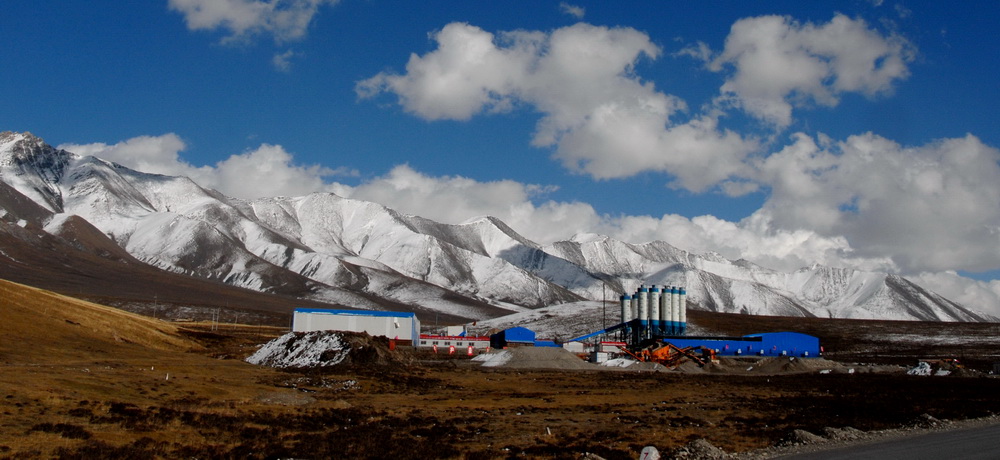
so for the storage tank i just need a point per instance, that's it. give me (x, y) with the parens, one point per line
(665, 310)
(654, 310)
(683, 311)
(635, 306)
(675, 302)
(626, 304)
(643, 303)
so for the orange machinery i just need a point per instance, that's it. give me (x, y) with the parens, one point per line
(669, 355)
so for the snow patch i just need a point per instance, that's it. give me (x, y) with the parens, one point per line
(495, 359)
(619, 362)
(301, 350)
(922, 368)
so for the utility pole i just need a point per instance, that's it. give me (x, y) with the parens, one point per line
(604, 302)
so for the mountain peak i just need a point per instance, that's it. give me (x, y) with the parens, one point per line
(27, 150)
(33, 167)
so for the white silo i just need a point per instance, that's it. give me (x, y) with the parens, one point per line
(683, 310)
(626, 304)
(643, 303)
(634, 306)
(665, 309)
(675, 303)
(654, 304)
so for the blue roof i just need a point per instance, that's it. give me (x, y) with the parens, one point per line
(327, 311)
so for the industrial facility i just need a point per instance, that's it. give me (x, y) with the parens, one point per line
(649, 314)
(653, 328)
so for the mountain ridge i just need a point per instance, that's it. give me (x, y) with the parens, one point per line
(361, 254)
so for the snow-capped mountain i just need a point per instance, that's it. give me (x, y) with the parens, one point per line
(361, 254)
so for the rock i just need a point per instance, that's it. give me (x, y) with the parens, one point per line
(843, 434)
(700, 449)
(649, 453)
(928, 421)
(922, 368)
(801, 437)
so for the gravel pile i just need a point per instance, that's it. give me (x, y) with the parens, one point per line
(700, 449)
(533, 358)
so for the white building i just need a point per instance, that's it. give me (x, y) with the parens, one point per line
(391, 324)
(461, 343)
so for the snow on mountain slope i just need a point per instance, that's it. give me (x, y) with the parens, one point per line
(362, 254)
(33, 167)
(445, 255)
(717, 284)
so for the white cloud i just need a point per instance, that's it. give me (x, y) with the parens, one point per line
(283, 61)
(286, 20)
(152, 154)
(576, 11)
(601, 119)
(934, 207)
(455, 199)
(266, 171)
(780, 63)
(978, 295)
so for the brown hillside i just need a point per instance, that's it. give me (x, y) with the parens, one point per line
(41, 325)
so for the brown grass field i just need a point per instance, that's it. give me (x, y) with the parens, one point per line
(79, 380)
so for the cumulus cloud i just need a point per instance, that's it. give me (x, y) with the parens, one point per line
(600, 118)
(285, 20)
(933, 207)
(456, 199)
(779, 63)
(978, 295)
(268, 170)
(153, 154)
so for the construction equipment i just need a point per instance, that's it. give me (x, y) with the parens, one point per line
(669, 355)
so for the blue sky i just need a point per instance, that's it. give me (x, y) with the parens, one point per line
(858, 134)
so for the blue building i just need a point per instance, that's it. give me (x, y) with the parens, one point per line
(767, 344)
(515, 336)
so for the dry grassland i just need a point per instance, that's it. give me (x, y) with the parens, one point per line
(79, 380)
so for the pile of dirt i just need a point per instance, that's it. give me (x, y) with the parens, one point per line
(801, 437)
(700, 449)
(321, 349)
(533, 358)
(846, 433)
(764, 366)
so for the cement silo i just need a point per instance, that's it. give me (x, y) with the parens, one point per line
(674, 309)
(682, 309)
(626, 306)
(654, 310)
